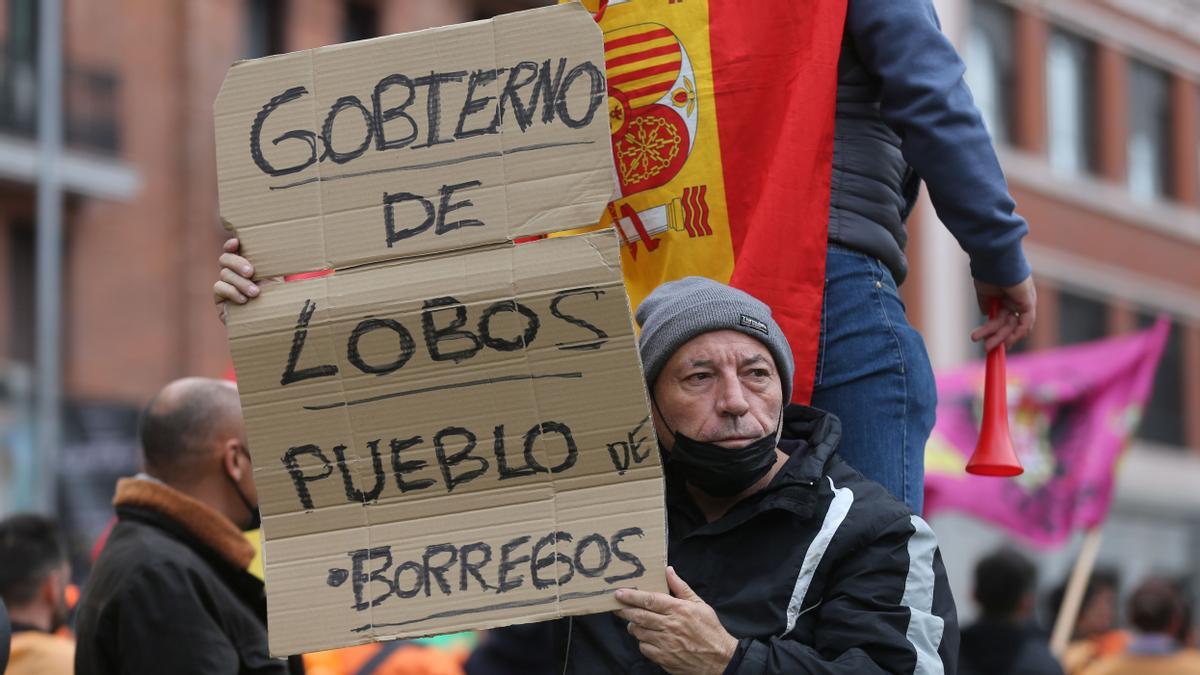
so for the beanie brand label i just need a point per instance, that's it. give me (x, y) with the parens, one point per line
(755, 324)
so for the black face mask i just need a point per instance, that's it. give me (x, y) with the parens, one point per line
(718, 471)
(255, 515)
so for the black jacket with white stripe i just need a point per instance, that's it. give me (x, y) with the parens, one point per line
(820, 572)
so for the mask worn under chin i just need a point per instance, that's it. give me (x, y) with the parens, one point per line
(718, 471)
(723, 472)
(255, 516)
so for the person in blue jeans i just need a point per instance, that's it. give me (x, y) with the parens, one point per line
(904, 114)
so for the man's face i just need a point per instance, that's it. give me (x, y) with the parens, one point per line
(720, 387)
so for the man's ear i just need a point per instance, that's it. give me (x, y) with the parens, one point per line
(230, 450)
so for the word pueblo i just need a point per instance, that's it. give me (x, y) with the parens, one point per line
(388, 122)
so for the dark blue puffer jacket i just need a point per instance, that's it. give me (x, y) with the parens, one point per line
(904, 114)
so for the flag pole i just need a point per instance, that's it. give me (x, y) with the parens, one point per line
(1068, 612)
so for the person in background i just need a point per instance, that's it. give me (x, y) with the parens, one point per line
(170, 592)
(1005, 640)
(1156, 613)
(1095, 633)
(34, 575)
(5, 636)
(904, 115)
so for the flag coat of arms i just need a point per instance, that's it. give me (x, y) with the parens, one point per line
(722, 120)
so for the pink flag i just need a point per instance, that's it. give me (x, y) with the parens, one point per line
(1072, 411)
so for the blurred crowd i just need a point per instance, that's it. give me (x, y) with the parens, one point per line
(1148, 630)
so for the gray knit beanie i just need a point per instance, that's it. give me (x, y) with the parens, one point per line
(678, 311)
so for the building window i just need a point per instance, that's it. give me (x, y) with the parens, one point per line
(990, 71)
(1149, 129)
(1162, 420)
(22, 254)
(1081, 318)
(264, 33)
(1070, 89)
(362, 21)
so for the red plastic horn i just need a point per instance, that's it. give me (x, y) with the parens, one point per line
(994, 455)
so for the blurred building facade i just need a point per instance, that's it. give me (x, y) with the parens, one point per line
(1095, 109)
(141, 227)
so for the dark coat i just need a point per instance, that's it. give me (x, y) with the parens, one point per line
(162, 599)
(905, 114)
(820, 572)
(1003, 648)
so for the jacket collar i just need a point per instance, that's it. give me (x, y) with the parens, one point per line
(820, 433)
(195, 518)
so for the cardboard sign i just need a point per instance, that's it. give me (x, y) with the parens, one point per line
(451, 431)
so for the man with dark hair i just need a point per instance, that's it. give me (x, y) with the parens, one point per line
(34, 574)
(1004, 639)
(1156, 611)
(170, 592)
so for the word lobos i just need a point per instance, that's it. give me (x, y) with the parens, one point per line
(470, 342)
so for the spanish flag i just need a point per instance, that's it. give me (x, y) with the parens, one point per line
(722, 118)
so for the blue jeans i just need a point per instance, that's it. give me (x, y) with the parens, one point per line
(873, 373)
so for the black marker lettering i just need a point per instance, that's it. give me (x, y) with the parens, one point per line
(472, 105)
(353, 494)
(532, 323)
(446, 207)
(290, 374)
(433, 104)
(549, 90)
(382, 116)
(390, 200)
(595, 99)
(563, 430)
(507, 564)
(512, 86)
(256, 136)
(434, 336)
(418, 575)
(359, 578)
(438, 572)
(327, 130)
(551, 560)
(502, 458)
(399, 469)
(472, 568)
(605, 555)
(638, 567)
(299, 478)
(448, 462)
(406, 346)
(601, 336)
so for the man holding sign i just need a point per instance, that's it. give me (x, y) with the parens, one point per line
(793, 561)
